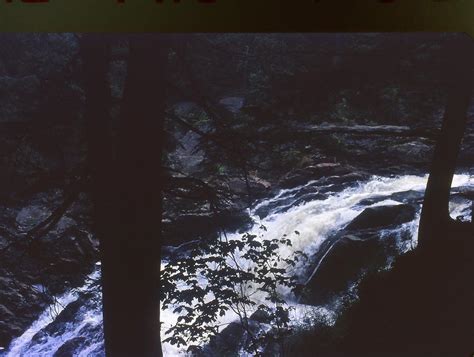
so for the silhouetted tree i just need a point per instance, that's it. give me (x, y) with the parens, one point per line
(435, 220)
(127, 190)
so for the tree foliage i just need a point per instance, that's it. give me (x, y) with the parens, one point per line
(243, 276)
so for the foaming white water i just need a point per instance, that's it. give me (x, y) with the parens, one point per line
(314, 219)
(20, 346)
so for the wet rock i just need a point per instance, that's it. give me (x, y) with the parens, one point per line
(72, 243)
(64, 224)
(360, 248)
(413, 152)
(8, 329)
(310, 197)
(410, 196)
(461, 206)
(66, 316)
(5, 313)
(226, 343)
(320, 189)
(229, 341)
(53, 262)
(261, 316)
(232, 104)
(258, 188)
(382, 216)
(301, 176)
(372, 200)
(30, 216)
(188, 227)
(233, 339)
(467, 154)
(187, 156)
(285, 203)
(186, 109)
(176, 252)
(69, 348)
(349, 257)
(19, 305)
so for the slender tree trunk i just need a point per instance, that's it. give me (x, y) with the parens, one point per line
(95, 53)
(127, 192)
(435, 219)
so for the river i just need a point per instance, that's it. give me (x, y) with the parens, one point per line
(317, 210)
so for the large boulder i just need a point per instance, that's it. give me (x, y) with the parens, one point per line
(383, 216)
(348, 258)
(358, 249)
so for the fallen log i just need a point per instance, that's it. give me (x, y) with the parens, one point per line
(389, 130)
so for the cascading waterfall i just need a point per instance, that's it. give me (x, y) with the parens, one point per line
(35, 343)
(316, 210)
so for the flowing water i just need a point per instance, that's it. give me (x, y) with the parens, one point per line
(316, 210)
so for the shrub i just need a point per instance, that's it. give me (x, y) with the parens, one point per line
(240, 275)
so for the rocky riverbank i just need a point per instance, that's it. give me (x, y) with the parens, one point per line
(36, 268)
(62, 257)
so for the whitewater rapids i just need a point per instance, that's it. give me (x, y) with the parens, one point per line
(316, 210)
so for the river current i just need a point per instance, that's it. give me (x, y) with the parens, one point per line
(317, 210)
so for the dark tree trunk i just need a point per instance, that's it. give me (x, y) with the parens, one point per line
(127, 192)
(139, 156)
(435, 220)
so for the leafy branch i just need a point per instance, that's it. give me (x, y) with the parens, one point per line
(244, 276)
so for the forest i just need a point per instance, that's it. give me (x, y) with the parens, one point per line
(236, 194)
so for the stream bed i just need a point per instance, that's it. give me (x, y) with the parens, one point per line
(319, 210)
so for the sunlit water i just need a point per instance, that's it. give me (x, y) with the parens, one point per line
(314, 210)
